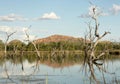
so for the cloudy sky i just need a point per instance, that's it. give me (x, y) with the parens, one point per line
(66, 17)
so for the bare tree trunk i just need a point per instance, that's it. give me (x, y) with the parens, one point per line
(36, 49)
(28, 39)
(90, 45)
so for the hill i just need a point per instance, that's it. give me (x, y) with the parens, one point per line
(58, 38)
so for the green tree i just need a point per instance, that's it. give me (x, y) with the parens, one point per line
(16, 45)
(116, 45)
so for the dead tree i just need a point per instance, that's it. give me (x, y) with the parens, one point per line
(28, 39)
(6, 41)
(5, 50)
(92, 38)
(36, 66)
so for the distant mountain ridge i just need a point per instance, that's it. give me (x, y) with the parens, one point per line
(57, 38)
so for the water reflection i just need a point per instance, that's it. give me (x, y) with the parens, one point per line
(58, 69)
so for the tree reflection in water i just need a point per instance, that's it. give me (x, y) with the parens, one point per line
(57, 61)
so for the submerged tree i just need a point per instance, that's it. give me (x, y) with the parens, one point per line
(92, 38)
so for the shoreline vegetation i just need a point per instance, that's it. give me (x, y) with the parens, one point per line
(55, 53)
(57, 44)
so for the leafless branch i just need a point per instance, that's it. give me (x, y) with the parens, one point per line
(90, 53)
(8, 36)
(104, 34)
(28, 39)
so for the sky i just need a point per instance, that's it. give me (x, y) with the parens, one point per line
(64, 17)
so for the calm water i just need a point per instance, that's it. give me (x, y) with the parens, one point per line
(55, 71)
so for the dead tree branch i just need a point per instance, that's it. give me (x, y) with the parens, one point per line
(6, 41)
(28, 39)
(93, 37)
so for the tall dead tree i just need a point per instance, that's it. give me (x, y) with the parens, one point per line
(92, 38)
(98, 37)
(36, 50)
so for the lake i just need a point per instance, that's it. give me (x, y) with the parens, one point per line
(56, 70)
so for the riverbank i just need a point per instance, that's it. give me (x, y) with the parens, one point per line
(53, 53)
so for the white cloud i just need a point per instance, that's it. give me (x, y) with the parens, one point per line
(10, 29)
(20, 33)
(115, 9)
(49, 16)
(90, 13)
(12, 17)
(85, 16)
(25, 29)
(7, 29)
(104, 14)
(31, 37)
(98, 10)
